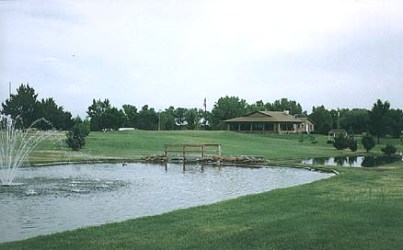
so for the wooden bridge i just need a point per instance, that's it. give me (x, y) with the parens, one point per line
(192, 149)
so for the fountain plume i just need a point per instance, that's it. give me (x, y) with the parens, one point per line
(16, 145)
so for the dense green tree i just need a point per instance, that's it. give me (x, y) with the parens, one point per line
(341, 142)
(180, 119)
(356, 120)
(285, 104)
(148, 118)
(44, 114)
(96, 112)
(192, 118)
(395, 122)
(114, 118)
(257, 106)
(76, 135)
(23, 105)
(55, 115)
(167, 119)
(378, 119)
(322, 119)
(368, 142)
(131, 116)
(227, 108)
(389, 149)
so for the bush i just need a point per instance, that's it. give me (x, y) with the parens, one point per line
(76, 136)
(352, 145)
(340, 142)
(368, 142)
(389, 149)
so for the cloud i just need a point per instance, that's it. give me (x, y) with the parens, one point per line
(164, 53)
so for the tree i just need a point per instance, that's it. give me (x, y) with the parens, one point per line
(377, 119)
(55, 115)
(167, 119)
(395, 122)
(96, 112)
(356, 120)
(341, 142)
(23, 105)
(180, 119)
(322, 119)
(352, 144)
(131, 116)
(389, 150)
(257, 106)
(114, 118)
(76, 135)
(368, 142)
(192, 118)
(148, 118)
(227, 108)
(285, 104)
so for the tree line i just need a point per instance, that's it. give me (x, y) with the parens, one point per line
(380, 121)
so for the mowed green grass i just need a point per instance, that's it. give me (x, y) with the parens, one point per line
(132, 145)
(361, 208)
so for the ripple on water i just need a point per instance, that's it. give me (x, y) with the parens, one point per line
(59, 198)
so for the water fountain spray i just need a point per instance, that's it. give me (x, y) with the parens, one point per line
(15, 146)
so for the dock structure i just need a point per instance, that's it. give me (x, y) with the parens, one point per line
(192, 149)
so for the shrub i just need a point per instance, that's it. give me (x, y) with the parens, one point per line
(352, 145)
(340, 142)
(389, 149)
(368, 142)
(76, 136)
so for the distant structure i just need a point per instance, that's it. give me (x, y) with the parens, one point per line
(274, 122)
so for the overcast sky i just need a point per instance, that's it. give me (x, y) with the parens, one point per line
(339, 53)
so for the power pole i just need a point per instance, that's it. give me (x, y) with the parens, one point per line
(9, 89)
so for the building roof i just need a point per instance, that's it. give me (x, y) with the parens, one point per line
(266, 116)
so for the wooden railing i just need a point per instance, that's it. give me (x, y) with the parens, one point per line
(186, 149)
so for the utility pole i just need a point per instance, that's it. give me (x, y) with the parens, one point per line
(9, 89)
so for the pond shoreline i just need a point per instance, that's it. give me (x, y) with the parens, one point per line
(94, 191)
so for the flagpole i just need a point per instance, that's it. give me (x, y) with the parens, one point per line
(205, 113)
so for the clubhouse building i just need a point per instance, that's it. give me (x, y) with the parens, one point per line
(274, 122)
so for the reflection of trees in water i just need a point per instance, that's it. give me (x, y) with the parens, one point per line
(320, 161)
(372, 161)
(353, 161)
(340, 160)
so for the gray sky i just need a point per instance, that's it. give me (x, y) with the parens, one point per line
(339, 53)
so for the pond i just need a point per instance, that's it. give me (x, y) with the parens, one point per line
(352, 161)
(60, 198)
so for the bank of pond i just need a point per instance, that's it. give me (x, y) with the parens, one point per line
(58, 198)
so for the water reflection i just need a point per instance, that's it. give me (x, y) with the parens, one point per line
(352, 161)
(59, 198)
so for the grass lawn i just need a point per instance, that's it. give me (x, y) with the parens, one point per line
(361, 208)
(132, 145)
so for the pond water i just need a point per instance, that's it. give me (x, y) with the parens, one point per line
(59, 198)
(352, 161)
